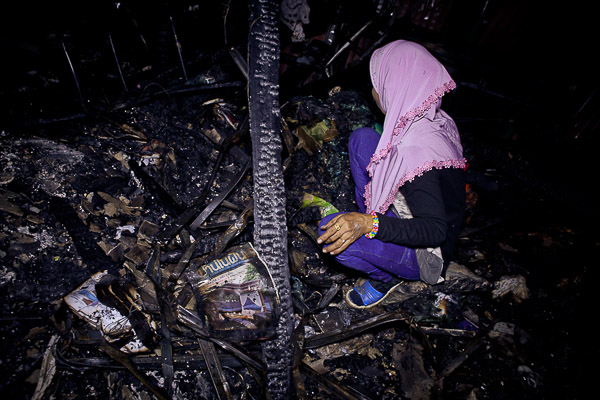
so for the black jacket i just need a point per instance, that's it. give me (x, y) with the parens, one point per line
(437, 202)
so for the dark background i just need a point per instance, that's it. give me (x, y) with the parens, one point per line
(533, 59)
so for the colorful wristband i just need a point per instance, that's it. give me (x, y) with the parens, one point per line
(373, 232)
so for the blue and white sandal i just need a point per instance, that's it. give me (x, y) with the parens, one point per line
(364, 295)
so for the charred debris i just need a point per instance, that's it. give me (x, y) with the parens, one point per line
(128, 186)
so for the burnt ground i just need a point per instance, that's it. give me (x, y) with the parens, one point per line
(90, 178)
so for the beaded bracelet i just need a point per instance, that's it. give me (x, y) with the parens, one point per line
(372, 234)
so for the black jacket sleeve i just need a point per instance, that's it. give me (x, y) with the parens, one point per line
(428, 227)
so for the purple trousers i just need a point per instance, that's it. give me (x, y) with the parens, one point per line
(378, 260)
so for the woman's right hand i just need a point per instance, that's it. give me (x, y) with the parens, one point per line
(343, 230)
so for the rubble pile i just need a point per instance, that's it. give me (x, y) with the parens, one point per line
(93, 203)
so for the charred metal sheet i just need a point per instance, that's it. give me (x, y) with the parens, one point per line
(215, 203)
(270, 234)
(215, 370)
(339, 335)
(186, 216)
(167, 198)
(142, 362)
(192, 321)
(233, 230)
(123, 359)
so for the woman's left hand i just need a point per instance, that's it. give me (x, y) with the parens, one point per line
(343, 230)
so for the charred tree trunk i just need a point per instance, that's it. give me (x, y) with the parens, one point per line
(270, 234)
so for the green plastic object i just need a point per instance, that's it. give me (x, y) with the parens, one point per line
(378, 128)
(310, 200)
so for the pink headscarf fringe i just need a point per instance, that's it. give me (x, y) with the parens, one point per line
(419, 171)
(409, 177)
(412, 114)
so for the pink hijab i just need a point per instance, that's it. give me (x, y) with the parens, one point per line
(417, 135)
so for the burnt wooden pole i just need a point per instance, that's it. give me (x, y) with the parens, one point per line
(270, 234)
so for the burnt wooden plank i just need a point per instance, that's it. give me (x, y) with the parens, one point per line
(270, 234)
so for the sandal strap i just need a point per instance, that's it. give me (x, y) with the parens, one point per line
(368, 293)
